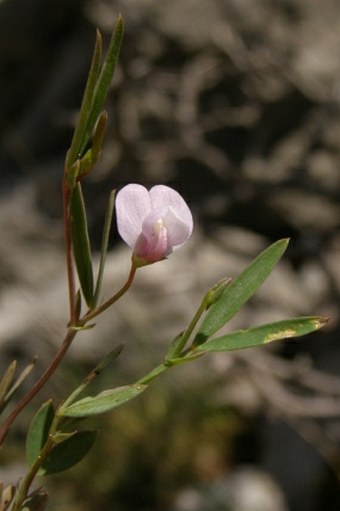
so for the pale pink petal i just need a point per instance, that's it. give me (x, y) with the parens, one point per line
(154, 248)
(178, 230)
(132, 207)
(161, 195)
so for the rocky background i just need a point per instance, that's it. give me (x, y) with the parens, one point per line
(235, 103)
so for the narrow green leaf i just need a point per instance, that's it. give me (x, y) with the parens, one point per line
(68, 453)
(240, 290)
(22, 376)
(264, 334)
(103, 402)
(81, 244)
(104, 80)
(79, 141)
(38, 431)
(105, 244)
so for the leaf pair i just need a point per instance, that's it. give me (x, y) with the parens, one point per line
(236, 294)
(68, 449)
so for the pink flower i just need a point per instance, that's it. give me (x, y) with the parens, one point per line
(153, 223)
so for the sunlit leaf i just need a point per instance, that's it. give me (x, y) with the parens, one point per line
(240, 290)
(103, 402)
(263, 334)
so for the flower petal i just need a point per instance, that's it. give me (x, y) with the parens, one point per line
(161, 195)
(132, 206)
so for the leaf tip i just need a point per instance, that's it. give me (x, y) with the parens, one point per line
(320, 321)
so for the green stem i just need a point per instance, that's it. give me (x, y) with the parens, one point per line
(153, 374)
(31, 474)
(186, 335)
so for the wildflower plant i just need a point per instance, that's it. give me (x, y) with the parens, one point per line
(154, 223)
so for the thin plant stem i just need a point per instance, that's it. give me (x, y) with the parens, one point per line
(186, 335)
(30, 476)
(98, 310)
(71, 333)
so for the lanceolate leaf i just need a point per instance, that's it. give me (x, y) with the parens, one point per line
(68, 453)
(104, 80)
(79, 141)
(105, 243)
(240, 290)
(81, 244)
(38, 431)
(103, 402)
(263, 334)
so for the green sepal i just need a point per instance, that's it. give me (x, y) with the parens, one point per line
(69, 452)
(81, 244)
(240, 290)
(103, 402)
(264, 334)
(38, 431)
(216, 292)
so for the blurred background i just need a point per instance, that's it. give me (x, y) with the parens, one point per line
(236, 104)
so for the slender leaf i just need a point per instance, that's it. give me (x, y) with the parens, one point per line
(240, 290)
(104, 81)
(81, 244)
(79, 141)
(22, 376)
(68, 453)
(105, 243)
(264, 334)
(103, 402)
(38, 431)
